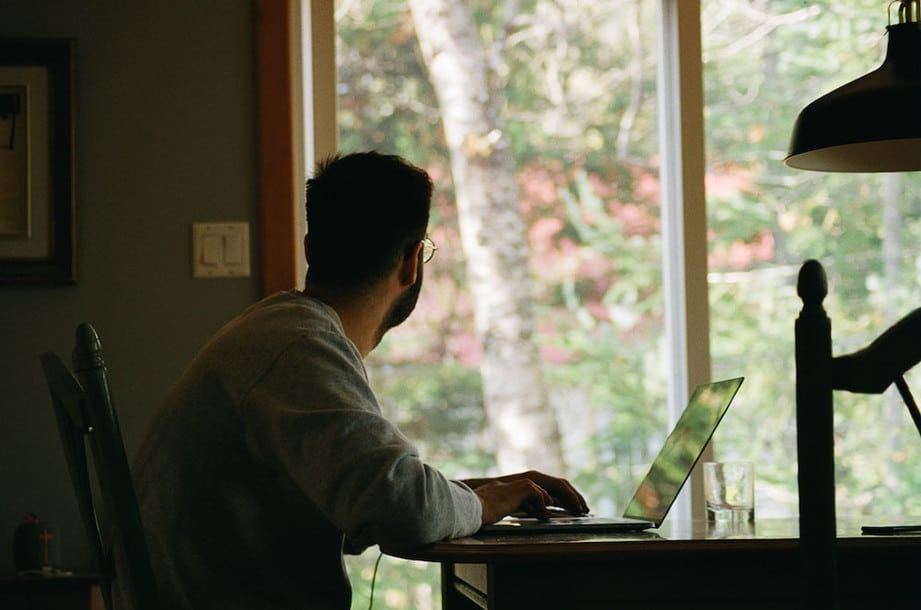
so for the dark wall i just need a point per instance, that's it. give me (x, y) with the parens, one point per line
(165, 136)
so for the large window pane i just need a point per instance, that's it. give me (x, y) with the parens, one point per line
(764, 61)
(572, 84)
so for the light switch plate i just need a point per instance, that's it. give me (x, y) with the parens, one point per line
(220, 249)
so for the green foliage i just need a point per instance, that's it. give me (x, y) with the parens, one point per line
(440, 407)
(398, 583)
(839, 219)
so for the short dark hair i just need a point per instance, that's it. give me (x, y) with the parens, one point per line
(365, 212)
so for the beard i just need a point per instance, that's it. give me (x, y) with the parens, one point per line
(402, 308)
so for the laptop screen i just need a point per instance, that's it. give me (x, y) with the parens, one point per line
(681, 450)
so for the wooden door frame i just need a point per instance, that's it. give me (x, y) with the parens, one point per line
(275, 122)
(286, 147)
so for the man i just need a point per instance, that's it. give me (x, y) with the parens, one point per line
(270, 456)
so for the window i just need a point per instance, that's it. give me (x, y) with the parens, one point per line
(570, 113)
(579, 115)
(583, 90)
(762, 63)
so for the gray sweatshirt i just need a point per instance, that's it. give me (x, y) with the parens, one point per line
(269, 450)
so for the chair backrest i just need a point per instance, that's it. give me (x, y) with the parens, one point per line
(85, 414)
(818, 375)
(815, 441)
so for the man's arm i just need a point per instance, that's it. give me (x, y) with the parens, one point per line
(313, 417)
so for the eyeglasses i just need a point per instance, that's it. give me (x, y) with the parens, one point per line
(428, 249)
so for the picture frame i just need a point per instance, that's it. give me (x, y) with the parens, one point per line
(37, 194)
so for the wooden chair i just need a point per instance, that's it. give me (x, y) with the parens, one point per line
(86, 414)
(818, 374)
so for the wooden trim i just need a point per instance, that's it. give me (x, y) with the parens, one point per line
(278, 194)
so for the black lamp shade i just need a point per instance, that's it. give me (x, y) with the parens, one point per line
(872, 124)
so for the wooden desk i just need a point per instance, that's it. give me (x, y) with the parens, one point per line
(683, 565)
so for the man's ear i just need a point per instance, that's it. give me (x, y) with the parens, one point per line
(409, 267)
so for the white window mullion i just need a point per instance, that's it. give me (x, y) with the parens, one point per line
(318, 101)
(684, 236)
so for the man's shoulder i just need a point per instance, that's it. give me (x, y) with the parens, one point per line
(290, 313)
(286, 325)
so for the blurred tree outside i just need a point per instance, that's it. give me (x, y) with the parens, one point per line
(493, 236)
(573, 114)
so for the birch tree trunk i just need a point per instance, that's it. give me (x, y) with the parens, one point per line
(493, 234)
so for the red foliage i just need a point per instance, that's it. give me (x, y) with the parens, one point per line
(741, 255)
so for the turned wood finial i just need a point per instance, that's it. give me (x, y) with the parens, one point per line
(812, 285)
(87, 353)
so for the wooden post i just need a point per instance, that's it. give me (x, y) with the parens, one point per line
(815, 445)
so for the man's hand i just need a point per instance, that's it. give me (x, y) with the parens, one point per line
(531, 492)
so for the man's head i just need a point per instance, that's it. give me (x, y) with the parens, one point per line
(366, 213)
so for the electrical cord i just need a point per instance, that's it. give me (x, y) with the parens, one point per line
(374, 580)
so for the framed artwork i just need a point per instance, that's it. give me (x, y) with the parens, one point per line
(37, 228)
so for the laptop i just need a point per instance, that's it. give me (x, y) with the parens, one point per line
(657, 491)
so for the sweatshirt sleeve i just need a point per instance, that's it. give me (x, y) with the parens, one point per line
(313, 417)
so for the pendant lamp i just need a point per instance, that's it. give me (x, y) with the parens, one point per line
(872, 124)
